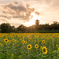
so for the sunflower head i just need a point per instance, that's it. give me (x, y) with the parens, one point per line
(25, 42)
(6, 40)
(36, 46)
(58, 48)
(37, 40)
(56, 45)
(52, 38)
(0, 44)
(43, 41)
(44, 50)
(13, 40)
(29, 46)
(29, 39)
(41, 47)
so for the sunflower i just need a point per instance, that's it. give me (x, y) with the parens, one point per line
(41, 47)
(13, 40)
(23, 41)
(52, 38)
(56, 45)
(6, 40)
(44, 50)
(0, 44)
(43, 41)
(58, 48)
(36, 45)
(29, 46)
(29, 39)
(12, 54)
(37, 40)
(43, 36)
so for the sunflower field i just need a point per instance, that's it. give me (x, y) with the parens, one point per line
(29, 45)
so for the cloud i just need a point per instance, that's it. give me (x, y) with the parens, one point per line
(37, 13)
(16, 2)
(16, 8)
(27, 5)
(21, 10)
(56, 4)
(4, 16)
(17, 11)
(3, 20)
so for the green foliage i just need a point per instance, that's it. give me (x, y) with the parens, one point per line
(5, 28)
(15, 49)
(37, 28)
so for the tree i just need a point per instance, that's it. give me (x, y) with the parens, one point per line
(54, 25)
(13, 29)
(21, 28)
(5, 27)
(0, 28)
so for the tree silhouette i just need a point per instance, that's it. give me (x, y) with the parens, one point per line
(5, 27)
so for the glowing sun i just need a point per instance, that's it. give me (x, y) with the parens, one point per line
(31, 21)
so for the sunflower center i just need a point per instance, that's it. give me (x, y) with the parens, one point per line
(44, 49)
(36, 46)
(28, 46)
(5, 40)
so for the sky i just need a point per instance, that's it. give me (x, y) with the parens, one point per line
(17, 12)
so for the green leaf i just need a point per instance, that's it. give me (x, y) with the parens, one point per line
(20, 56)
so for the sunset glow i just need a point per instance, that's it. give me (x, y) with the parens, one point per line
(31, 21)
(17, 12)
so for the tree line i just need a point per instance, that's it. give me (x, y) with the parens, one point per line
(41, 28)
